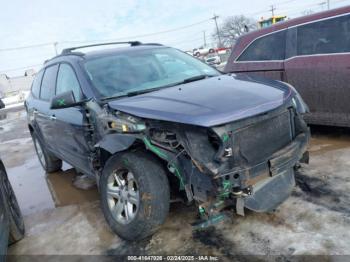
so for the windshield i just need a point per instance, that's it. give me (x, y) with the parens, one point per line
(140, 70)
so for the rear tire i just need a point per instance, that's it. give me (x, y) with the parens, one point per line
(148, 187)
(48, 161)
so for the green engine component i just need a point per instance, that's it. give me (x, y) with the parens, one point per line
(226, 189)
(164, 156)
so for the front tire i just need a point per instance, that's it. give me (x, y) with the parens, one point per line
(48, 161)
(134, 195)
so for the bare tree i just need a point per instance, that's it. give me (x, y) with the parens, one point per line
(232, 28)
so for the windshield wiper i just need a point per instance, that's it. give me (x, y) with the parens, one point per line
(195, 78)
(113, 97)
(185, 81)
(144, 91)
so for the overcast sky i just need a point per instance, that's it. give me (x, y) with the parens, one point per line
(26, 23)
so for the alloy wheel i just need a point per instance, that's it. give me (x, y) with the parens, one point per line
(123, 196)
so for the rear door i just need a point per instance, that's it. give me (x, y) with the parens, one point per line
(69, 122)
(264, 56)
(320, 69)
(42, 111)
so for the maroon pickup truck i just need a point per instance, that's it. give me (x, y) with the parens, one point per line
(312, 53)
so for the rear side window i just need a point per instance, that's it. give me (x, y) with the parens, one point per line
(270, 47)
(324, 37)
(48, 83)
(36, 84)
(67, 81)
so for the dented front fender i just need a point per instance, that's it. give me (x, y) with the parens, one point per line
(114, 143)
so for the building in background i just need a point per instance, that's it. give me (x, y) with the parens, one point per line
(271, 21)
(13, 90)
(13, 85)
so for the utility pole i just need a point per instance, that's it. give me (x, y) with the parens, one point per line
(322, 4)
(215, 17)
(273, 10)
(205, 39)
(328, 4)
(55, 47)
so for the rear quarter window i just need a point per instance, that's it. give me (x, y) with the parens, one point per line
(324, 37)
(269, 47)
(36, 84)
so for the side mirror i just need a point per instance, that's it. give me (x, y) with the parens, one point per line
(64, 100)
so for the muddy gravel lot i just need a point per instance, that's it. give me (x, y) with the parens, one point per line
(62, 219)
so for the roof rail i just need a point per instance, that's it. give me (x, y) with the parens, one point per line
(152, 44)
(70, 49)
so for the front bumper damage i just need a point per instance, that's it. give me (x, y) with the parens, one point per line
(244, 164)
(272, 191)
(251, 164)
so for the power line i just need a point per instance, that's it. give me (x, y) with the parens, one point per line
(273, 8)
(140, 36)
(103, 40)
(19, 68)
(286, 2)
(31, 66)
(300, 8)
(269, 10)
(26, 47)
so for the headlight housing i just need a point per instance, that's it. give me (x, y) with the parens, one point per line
(297, 100)
(125, 123)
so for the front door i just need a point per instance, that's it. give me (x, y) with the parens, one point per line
(70, 132)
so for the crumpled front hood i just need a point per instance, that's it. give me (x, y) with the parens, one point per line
(208, 102)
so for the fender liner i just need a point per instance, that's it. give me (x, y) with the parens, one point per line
(114, 143)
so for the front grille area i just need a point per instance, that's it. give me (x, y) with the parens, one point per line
(257, 142)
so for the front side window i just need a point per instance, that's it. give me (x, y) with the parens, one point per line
(67, 81)
(266, 48)
(48, 83)
(324, 37)
(139, 70)
(36, 84)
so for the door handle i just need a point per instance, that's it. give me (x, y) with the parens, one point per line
(53, 117)
(35, 112)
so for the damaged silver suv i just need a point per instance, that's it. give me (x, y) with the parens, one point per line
(150, 122)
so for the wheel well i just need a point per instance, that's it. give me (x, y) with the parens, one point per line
(140, 146)
(105, 154)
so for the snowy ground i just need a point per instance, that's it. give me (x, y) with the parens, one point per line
(61, 219)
